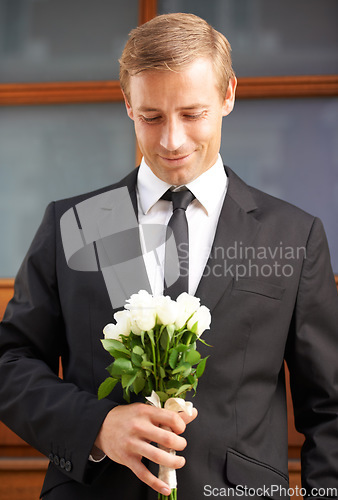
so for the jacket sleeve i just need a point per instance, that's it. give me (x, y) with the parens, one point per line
(52, 415)
(312, 357)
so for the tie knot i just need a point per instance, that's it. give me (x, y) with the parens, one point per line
(180, 199)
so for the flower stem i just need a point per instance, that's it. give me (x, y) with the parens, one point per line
(189, 339)
(172, 496)
(155, 365)
(166, 351)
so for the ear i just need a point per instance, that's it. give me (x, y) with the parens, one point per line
(229, 101)
(128, 106)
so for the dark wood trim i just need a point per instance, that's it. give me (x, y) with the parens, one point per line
(294, 465)
(287, 86)
(59, 93)
(7, 283)
(29, 463)
(109, 91)
(6, 293)
(147, 10)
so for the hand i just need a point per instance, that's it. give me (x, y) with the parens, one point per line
(128, 431)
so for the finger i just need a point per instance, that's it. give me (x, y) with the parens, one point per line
(167, 418)
(164, 437)
(188, 418)
(161, 457)
(148, 478)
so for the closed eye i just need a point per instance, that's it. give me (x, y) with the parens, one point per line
(194, 117)
(152, 119)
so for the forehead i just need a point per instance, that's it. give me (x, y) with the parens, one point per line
(186, 86)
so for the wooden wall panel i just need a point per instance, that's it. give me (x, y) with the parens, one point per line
(22, 479)
(109, 91)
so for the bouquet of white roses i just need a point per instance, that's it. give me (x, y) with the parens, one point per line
(154, 346)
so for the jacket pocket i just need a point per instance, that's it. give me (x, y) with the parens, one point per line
(250, 473)
(260, 287)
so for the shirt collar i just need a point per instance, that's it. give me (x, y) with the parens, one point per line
(150, 187)
(208, 188)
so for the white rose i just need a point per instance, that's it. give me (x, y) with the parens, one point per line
(142, 309)
(187, 305)
(203, 318)
(111, 331)
(167, 310)
(134, 327)
(123, 322)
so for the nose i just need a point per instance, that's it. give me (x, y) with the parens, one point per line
(172, 135)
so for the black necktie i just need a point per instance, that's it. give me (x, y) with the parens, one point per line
(176, 264)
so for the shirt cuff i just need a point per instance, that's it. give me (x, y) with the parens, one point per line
(96, 455)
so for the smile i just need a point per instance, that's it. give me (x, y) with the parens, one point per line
(177, 161)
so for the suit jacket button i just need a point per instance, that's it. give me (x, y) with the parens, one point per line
(56, 460)
(51, 457)
(68, 466)
(62, 463)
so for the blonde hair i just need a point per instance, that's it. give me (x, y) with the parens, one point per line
(172, 42)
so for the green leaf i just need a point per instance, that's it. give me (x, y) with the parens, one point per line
(138, 350)
(125, 379)
(192, 357)
(136, 360)
(164, 340)
(162, 395)
(162, 372)
(151, 335)
(149, 387)
(173, 384)
(121, 366)
(147, 364)
(181, 368)
(139, 382)
(201, 367)
(126, 395)
(118, 354)
(170, 330)
(182, 347)
(115, 345)
(110, 367)
(128, 379)
(193, 329)
(173, 357)
(171, 391)
(184, 388)
(106, 387)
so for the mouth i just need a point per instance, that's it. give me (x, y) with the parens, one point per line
(176, 160)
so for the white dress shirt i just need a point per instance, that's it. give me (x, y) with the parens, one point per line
(202, 214)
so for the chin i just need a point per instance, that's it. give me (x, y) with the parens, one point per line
(179, 178)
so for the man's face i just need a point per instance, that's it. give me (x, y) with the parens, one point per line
(178, 119)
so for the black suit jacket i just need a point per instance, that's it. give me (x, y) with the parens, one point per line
(270, 288)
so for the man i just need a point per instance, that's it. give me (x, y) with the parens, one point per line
(262, 267)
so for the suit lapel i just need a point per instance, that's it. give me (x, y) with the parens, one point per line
(236, 229)
(119, 250)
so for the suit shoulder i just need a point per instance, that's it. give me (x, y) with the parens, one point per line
(129, 181)
(267, 208)
(271, 204)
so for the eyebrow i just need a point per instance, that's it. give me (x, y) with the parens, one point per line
(145, 109)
